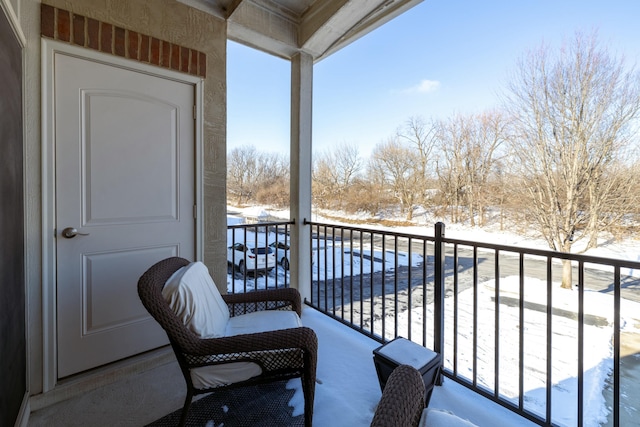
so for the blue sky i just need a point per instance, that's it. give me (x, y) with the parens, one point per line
(439, 58)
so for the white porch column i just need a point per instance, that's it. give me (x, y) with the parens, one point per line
(300, 187)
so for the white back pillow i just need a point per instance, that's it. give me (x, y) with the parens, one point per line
(194, 298)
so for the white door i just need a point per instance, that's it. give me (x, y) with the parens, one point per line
(124, 160)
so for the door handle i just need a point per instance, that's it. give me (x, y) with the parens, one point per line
(71, 232)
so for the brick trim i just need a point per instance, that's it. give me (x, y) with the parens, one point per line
(62, 25)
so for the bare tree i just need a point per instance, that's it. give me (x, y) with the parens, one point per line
(453, 136)
(333, 173)
(573, 114)
(254, 176)
(398, 166)
(367, 194)
(272, 187)
(241, 173)
(488, 133)
(423, 136)
(468, 170)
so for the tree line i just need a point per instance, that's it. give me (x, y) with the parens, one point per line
(559, 156)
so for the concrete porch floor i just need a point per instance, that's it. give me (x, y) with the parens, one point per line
(135, 400)
(152, 386)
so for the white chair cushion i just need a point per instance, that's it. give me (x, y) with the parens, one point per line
(229, 373)
(194, 298)
(262, 321)
(440, 418)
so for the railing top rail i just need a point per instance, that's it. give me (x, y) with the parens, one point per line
(372, 230)
(262, 224)
(589, 259)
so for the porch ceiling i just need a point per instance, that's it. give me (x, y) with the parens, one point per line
(316, 27)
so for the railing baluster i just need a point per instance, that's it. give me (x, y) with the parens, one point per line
(384, 288)
(326, 264)
(255, 245)
(549, 382)
(321, 250)
(455, 308)
(342, 272)
(395, 280)
(371, 298)
(233, 259)
(475, 317)
(521, 332)
(275, 229)
(409, 288)
(311, 262)
(244, 258)
(424, 293)
(351, 278)
(580, 343)
(333, 263)
(496, 322)
(287, 242)
(317, 263)
(438, 305)
(616, 345)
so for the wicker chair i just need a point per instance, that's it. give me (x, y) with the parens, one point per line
(402, 400)
(282, 354)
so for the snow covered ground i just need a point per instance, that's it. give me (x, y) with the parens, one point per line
(598, 353)
(347, 391)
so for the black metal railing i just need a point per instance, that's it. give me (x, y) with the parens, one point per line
(504, 327)
(349, 282)
(262, 258)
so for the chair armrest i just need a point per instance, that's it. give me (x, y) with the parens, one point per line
(402, 400)
(271, 299)
(301, 337)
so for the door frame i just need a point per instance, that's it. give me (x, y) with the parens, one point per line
(49, 48)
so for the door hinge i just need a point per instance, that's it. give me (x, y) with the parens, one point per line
(194, 112)
(195, 211)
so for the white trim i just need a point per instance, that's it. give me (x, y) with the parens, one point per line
(48, 50)
(25, 411)
(199, 178)
(6, 7)
(49, 360)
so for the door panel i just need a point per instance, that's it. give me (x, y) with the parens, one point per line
(125, 181)
(110, 198)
